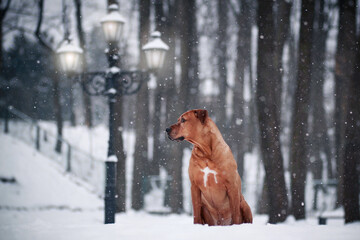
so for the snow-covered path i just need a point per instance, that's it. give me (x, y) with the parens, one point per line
(45, 204)
(40, 183)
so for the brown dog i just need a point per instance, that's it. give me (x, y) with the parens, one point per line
(215, 182)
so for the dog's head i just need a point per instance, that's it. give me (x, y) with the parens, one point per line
(188, 125)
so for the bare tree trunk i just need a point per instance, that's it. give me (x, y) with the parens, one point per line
(71, 103)
(142, 117)
(187, 97)
(283, 10)
(189, 87)
(3, 12)
(263, 202)
(288, 100)
(162, 79)
(186, 12)
(237, 134)
(121, 156)
(352, 142)
(269, 123)
(253, 127)
(55, 76)
(172, 152)
(345, 56)
(281, 35)
(319, 136)
(141, 162)
(298, 151)
(57, 109)
(221, 54)
(1, 48)
(86, 98)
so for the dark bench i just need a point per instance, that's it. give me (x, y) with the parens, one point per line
(323, 219)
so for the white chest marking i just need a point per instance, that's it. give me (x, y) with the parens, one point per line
(206, 172)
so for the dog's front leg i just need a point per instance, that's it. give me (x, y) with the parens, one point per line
(196, 201)
(234, 198)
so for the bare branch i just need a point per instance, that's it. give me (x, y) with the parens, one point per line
(37, 32)
(22, 12)
(15, 27)
(233, 8)
(79, 26)
(80, 30)
(4, 10)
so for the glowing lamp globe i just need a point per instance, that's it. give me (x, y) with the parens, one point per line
(155, 51)
(70, 57)
(113, 24)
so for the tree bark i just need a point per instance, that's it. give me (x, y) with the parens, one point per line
(71, 106)
(1, 48)
(142, 117)
(289, 99)
(347, 113)
(252, 132)
(121, 156)
(269, 124)
(55, 76)
(319, 130)
(243, 58)
(172, 152)
(344, 69)
(188, 93)
(298, 150)
(281, 35)
(352, 144)
(161, 74)
(282, 30)
(263, 202)
(3, 12)
(80, 31)
(189, 87)
(221, 54)
(57, 109)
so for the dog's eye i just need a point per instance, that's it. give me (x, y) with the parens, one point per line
(183, 120)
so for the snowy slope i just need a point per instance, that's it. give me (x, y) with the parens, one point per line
(46, 204)
(39, 183)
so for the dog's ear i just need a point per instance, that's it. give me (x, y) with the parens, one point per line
(201, 114)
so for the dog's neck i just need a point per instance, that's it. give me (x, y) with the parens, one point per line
(208, 144)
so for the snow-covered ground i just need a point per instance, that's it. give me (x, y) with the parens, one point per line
(46, 203)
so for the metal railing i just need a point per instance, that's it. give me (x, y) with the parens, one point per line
(87, 170)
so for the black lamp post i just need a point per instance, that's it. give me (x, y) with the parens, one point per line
(114, 82)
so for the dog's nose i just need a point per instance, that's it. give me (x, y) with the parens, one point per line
(168, 130)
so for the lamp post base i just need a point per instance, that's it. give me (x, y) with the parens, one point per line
(110, 202)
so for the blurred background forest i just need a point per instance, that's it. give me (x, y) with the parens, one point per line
(281, 79)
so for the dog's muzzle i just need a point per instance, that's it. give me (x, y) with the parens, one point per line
(168, 131)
